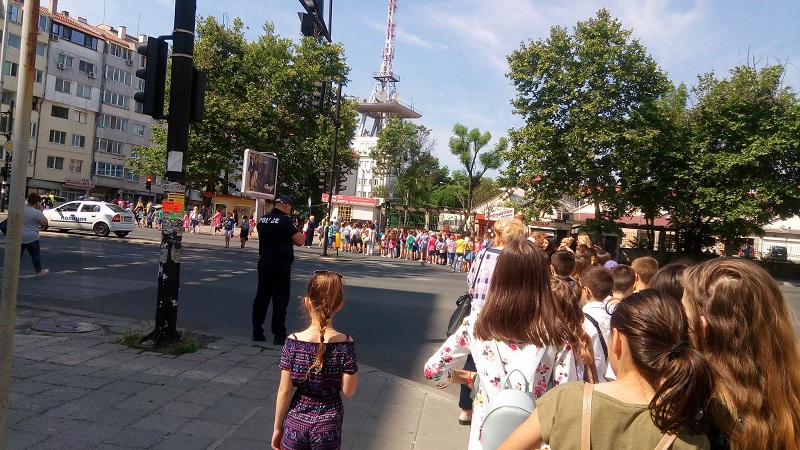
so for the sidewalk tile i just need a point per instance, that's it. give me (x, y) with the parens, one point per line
(58, 378)
(89, 382)
(246, 350)
(116, 416)
(205, 429)
(236, 443)
(16, 415)
(59, 443)
(228, 379)
(21, 440)
(230, 410)
(38, 405)
(150, 399)
(180, 441)
(29, 387)
(87, 406)
(125, 387)
(135, 437)
(37, 354)
(63, 394)
(182, 409)
(161, 423)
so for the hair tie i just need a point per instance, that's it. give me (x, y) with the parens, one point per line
(676, 349)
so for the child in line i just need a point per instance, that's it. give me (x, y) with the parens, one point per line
(317, 363)
(245, 233)
(624, 282)
(597, 284)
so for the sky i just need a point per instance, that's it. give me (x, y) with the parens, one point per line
(450, 55)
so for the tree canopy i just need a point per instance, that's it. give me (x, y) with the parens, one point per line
(468, 146)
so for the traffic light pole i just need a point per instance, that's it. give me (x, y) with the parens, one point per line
(336, 124)
(180, 99)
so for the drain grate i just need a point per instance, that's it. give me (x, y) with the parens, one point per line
(66, 327)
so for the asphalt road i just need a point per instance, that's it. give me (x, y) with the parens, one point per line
(397, 311)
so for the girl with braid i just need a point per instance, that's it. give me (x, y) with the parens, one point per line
(318, 364)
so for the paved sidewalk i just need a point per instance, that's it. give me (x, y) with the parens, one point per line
(84, 391)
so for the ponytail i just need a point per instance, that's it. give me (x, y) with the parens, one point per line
(324, 292)
(323, 325)
(658, 335)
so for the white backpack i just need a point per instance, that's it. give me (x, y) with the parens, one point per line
(509, 407)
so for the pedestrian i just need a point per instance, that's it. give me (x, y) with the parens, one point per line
(228, 225)
(245, 233)
(186, 223)
(520, 328)
(318, 363)
(276, 235)
(743, 324)
(194, 221)
(662, 391)
(216, 221)
(32, 218)
(311, 228)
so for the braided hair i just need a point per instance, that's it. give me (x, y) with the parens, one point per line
(324, 293)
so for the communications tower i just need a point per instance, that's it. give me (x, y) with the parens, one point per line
(384, 102)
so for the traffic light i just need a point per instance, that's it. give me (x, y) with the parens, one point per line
(148, 183)
(5, 171)
(318, 97)
(154, 75)
(340, 183)
(323, 180)
(199, 86)
(312, 22)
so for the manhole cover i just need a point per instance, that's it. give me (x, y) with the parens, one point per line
(66, 327)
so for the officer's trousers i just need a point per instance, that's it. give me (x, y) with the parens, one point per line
(273, 285)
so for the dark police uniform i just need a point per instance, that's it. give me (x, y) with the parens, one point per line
(275, 231)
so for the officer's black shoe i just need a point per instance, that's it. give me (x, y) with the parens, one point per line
(259, 337)
(279, 340)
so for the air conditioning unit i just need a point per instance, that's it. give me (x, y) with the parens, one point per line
(91, 74)
(129, 62)
(61, 65)
(53, 37)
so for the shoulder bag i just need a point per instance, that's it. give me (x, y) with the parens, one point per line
(463, 305)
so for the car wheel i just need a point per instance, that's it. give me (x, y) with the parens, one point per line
(43, 227)
(101, 229)
(121, 233)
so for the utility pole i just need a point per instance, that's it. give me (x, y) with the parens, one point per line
(180, 113)
(336, 124)
(22, 125)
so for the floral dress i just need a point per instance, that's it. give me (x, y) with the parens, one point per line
(557, 366)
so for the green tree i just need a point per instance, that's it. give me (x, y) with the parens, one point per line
(742, 159)
(579, 95)
(468, 146)
(403, 154)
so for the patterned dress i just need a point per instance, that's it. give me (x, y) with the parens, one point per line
(556, 367)
(315, 415)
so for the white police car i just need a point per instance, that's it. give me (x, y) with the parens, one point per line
(100, 217)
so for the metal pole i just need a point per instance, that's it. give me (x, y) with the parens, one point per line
(336, 124)
(169, 264)
(22, 125)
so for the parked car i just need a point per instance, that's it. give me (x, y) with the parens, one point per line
(100, 217)
(777, 253)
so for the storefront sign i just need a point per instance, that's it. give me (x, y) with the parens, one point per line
(173, 187)
(86, 184)
(349, 200)
(173, 203)
(547, 224)
(497, 213)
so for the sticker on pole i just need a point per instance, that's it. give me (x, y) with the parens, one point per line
(173, 203)
(173, 187)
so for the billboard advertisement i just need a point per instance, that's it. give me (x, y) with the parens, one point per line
(259, 174)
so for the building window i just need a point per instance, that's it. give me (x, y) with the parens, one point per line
(60, 112)
(14, 14)
(78, 141)
(63, 85)
(85, 67)
(139, 107)
(80, 116)
(43, 22)
(55, 162)
(34, 129)
(41, 49)
(113, 122)
(120, 51)
(58, 137)
(108, 170)
(38, 75)
(13, 40)
(65, 60)
(345, 214)
(30, 156)
(141, 85)
(130, 176)
(10, 68)
(75, 165)
(83, 91)
(8, 97)
(138, 129)
(116, 99)
(119, 75)
(108, 146)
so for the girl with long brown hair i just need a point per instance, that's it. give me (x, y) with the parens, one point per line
(660, 395)
(742, 323)
(520, 328)
(319, 363)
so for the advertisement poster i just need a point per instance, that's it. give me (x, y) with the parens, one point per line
(259, 174)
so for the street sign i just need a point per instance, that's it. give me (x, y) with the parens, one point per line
(173, 187)
(9, 145)
(173, 203)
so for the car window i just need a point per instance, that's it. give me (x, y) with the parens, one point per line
(115, 208)
(69, 207)
(87, 207)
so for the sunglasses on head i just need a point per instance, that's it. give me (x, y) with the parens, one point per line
(322, 272)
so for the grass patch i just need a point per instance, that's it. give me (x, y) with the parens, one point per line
(190, 342)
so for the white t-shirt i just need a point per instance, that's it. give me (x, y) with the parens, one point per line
(597, 310)
(30, 224)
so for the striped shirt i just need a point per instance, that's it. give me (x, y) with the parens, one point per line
(485, 260)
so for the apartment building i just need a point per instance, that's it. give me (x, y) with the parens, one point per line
(366, 179)
(86, 123)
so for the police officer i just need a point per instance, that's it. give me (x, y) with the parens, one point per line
(276, 235)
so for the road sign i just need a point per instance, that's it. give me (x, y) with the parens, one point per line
(173, 187)
(9, 145)
(173, 203)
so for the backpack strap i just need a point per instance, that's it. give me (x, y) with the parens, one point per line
(586, 422)
(600, 334)
(666, 441)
